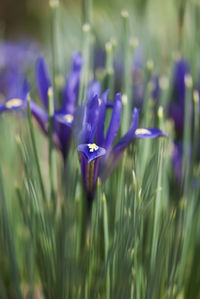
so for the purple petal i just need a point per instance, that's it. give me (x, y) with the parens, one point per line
(94, 88)
(128, 137)
(43, 80)
(149, 133)
(119, 148)
(91, 151)
(70, 91)
(115, 122)
(40, 115)
(101, 119)
(19, 99)
(90, 155)
(64, 118)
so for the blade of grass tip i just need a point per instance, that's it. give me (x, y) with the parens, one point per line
(157, 207)
(86, 43)
(187, 133)
(32, 134)
(9, 241)
(52, 166)
(106, 244)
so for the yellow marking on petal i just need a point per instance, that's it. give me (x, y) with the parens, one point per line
(14, 103)
(93, 147)
(100, 101)
(68, 117)
(142, 131)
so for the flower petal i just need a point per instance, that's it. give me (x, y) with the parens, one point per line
(115, 122)
(91, 151)
(70, 91)
(149, 133)
(40, 115)
(101, 119)
(43, 80)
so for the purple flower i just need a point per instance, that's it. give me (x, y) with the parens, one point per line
(177, 103)
(63, 117)
(98, 156)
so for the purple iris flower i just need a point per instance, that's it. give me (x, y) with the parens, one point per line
(176, 106)
(98, 156)
(63, 117)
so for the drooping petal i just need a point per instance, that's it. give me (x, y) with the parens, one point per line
(64, 118)
(149, 133)
(43, 80)
(19, 99)
(40, 116)
(114, 122)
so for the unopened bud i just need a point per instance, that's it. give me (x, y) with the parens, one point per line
(134, 42)
(150, 65)
(164, 83)
(124, 13)
(53, 3)
(196, 96)
(86, 27)
(160, 112)
(188, 80)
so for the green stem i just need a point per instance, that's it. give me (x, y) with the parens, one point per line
(32, 134)
(51, 146)
(106, 244)
(156, 226)
(187, 133)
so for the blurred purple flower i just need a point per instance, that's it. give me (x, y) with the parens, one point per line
(15, 60)
(177, 103)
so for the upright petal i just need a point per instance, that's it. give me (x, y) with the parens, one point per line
(70, 91)
(114, 122)
(43, 80)
(119, 148)
(101, 119)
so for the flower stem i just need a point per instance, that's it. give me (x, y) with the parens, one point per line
(32, 134)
